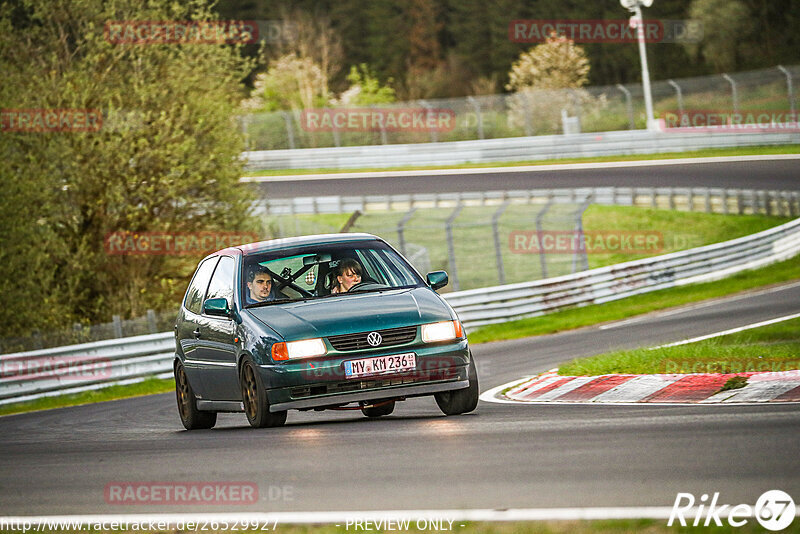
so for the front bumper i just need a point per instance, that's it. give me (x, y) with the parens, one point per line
(312, 384)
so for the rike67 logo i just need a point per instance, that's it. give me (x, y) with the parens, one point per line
(774, 510)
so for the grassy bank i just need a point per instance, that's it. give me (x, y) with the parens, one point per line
(703, 153)
(769, 348)
(639, 304)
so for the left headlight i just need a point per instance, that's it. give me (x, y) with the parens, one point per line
(444, 331)
(305, 348)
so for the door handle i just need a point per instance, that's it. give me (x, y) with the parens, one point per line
(196, 333)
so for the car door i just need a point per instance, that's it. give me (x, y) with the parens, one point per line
(187, 329)
(215, 346)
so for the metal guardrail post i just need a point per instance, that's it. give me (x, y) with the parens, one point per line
(117, 325)
(152, 327)
(789, 89)
(581, 249)
(288, 119)
(428, 107)
(526, 106)
(539, 217)
(628, 105)
(734, 94)
(401, 226)
(451, 250)
(498, 253)
(478, 115)
(679, 94)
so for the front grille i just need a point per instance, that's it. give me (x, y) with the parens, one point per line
(447, 373)
(391, 337)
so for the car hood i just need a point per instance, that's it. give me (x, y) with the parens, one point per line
(357, 312)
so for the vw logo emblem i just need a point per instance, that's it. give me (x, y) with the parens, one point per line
(374, 339)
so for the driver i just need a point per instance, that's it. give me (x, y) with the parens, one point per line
(348, 274)
(260, 287)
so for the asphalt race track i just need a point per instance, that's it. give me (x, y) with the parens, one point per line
(501, 456)
(783, 175)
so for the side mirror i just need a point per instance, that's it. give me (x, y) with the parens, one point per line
(217, 307)
(437, 279)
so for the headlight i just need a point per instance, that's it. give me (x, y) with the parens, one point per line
(444, 331)
(306, 348)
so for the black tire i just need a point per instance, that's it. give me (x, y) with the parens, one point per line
(379, 411)
(254, 398)
(191, 417)
(460, 400)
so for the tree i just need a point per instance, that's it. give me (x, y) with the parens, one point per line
(558, 63)
(726, 23)
(365, 89)
(165, 159)
(291, 82)
(547, 79)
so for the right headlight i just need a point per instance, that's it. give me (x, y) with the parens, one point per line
(444, 331)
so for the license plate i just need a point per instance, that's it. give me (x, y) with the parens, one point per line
(380, 365)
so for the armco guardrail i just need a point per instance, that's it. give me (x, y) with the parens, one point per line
(28, 375)
(709, 200)
(504, 303)
(510, 149)
(74, 368)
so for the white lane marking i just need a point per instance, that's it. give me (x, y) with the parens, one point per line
(724, 300)
(342, 517)
(522, 168)
(636, 389)
(492, 395)
(730, 331)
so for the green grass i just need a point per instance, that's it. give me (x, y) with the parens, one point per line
(773, 348)
(706, 152)
(145, 387)
(638, 304)
(473, 241)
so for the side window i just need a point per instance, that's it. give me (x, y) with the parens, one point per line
(221, 286)
(197, 289)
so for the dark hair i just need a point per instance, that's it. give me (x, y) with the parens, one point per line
(256, 270)
(348, 264)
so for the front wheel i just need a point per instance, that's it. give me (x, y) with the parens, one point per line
(254, 398)
(460, 400)
(191, 417)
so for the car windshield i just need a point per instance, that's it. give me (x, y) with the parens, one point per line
(313, 271)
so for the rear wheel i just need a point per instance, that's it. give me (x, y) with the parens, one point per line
(191, 417)
(254, 398)
(460, 400)
(378, 411)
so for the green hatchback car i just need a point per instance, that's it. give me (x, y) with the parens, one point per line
(339, 321)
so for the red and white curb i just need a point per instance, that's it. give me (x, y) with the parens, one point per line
(549, 387)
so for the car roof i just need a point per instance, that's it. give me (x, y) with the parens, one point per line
(291, 242)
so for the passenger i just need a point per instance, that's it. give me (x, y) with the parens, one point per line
(260, 287)
(348, 274)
